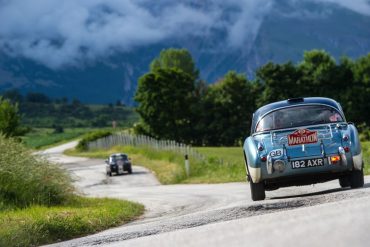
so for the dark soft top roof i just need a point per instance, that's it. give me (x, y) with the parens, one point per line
(293, 102)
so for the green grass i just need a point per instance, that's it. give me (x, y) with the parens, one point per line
(41, 138)
(38, 204)
(37, 225)
(169, 166)
(366, 156)
(45, 137)
(26, 179)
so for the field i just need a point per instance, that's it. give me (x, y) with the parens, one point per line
(43, 137)
(75, 115)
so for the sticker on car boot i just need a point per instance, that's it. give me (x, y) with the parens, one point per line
(302, 136)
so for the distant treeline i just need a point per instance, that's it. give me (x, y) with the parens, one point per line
(38, 110)
(175, 104)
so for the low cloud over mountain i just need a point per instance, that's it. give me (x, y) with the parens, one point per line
(72, 32)
(96, 50)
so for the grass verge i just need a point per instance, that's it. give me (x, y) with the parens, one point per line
(169, 166)
(38, 204)
(45, 137)
(366, 156)
(38, 225)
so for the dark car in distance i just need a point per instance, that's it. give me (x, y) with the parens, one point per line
(118, 163)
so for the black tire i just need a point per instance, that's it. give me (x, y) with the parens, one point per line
(109, 174)
(344, 182)
(357, 179)
(129, 170)
(257, 191)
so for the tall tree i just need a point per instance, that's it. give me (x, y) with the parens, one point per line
(278, 81)
(9, 119)
(319, 74)
(359, 93)
(227, 109)
(175, 58)
(165, 98)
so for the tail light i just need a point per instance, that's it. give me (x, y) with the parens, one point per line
(347, 149)
(334, 159)
(263, 158)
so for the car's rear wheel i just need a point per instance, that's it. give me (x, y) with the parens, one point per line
(109, 174)
(344, 182)
(129, 169)
(257, 191)
(357, 179)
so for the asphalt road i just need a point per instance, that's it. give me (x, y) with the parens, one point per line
(222, 214)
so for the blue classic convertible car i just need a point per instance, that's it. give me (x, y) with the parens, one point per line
(302, 141)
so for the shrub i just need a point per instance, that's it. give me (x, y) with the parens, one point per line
(9, 118)
(364, 131)
(26, 179)
(89, 137)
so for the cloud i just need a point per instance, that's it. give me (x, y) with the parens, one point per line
(359, 6)
(70, 32)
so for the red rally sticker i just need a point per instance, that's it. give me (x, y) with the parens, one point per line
(302, 136)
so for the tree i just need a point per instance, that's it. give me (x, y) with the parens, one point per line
(165, 99)
(318, 75)
(175, 58)
(227, 109)
(9, 119)
(358, 101)
(13, 95)
(278, 82)
(38, 98)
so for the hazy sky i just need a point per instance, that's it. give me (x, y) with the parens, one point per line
(68, 32)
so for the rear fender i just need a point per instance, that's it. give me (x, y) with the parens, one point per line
(252, 161)
(355, 147)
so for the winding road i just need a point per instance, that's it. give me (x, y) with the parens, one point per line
(221, 214)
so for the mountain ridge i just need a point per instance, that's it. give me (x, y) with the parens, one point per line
(284, 33)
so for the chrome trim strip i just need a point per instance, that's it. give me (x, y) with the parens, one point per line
(285, 107)
(294, 128)
(269, 164)
(343, 157)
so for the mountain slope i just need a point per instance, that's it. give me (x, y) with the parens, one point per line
(287, 29)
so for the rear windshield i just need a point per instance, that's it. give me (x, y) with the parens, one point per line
(117, 157)
(298, 116)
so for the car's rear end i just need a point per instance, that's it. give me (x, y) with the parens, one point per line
(302, 143)
(306, 155)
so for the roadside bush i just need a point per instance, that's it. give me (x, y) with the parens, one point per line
(364, 131)
(26, 179)
(89, 137)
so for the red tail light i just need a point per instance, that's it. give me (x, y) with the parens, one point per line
(347, 149)
(263, 158)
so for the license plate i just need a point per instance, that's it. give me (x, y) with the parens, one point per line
(120, 169)
(306, 163)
